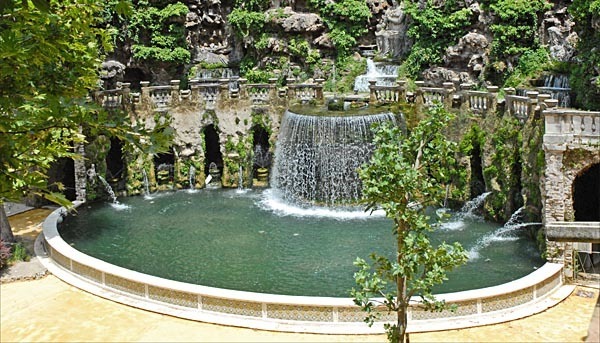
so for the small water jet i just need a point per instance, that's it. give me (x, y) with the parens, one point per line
(114, 202)
(192, 178)
(504, 233)
(146, 184)
(470, 207)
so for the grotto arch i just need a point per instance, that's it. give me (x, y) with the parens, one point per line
(586, 208)
(261, 148)
(586, 194)
(212, 152)
(164, 167)
(115, 162)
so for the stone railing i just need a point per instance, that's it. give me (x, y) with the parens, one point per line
(522, 297)
(565, 127)
(208, 94)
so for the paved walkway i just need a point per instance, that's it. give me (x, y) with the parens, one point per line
(49, 310)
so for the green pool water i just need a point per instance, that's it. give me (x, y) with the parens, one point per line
(249, 242)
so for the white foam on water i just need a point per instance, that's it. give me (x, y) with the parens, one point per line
(269, 202)
(120, 207)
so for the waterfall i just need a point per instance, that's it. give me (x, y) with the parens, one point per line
(192, 177)
(557, 85)
(240, 187)
(384, 74)
(146, 183)
(504, 233)
(316, 158)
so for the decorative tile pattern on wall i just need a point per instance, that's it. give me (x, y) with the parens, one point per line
(87, 272)
(464, 308)
(60, 259)
(548, 285)
(173, 297)
(351, 314)
(242, 308)
(125, 285)
(298, 312)
(507, 300)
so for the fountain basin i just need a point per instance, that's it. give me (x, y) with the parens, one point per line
(283, 312)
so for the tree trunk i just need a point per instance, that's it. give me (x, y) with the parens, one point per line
(5, 231)
(401, 288)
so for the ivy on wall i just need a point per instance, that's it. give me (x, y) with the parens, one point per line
(434, 28)
(585, 74)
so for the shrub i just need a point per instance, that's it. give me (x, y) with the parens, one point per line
(4, 254)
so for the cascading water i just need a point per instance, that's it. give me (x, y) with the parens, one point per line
(504, 233)
(192, 178)
(558, 87)
(316, 158)
(240, 187)
(384, 74)
(474, 204)
(469, 210)
(146, 183)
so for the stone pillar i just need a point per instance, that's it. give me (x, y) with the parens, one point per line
(243, 89)
(493, 104)
(174, 92)
(319, 89)
(449, 89)
(373, 92)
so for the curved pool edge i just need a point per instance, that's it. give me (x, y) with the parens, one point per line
(520, 298)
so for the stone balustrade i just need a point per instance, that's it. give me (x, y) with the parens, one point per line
(571, 127)
(208, 93)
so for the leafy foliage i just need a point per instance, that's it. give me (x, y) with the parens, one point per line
(405, 175)
(346, 20)
(4, 254)
(515, 33)
(434, 28)
(158, 33)
(585, 74)
(244, 21)
(50, 63)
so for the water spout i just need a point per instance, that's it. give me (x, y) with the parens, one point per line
(471, 206)
(192, 177)
(146, 183)
(504, 233)
(108, 189)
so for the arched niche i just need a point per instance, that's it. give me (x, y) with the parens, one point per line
(586, 194)
(115, 163)
(586, 208)
(164, 167)
(212, 154)
(260, 148)
(63, 171)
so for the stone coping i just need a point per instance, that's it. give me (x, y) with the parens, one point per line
(573, 231)
(516, 299)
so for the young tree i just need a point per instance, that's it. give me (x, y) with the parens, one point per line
(404, 177)
(51, 51)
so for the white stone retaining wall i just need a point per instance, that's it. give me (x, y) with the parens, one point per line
(512, 300)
